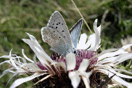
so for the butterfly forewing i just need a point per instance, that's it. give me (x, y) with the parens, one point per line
(75, 32)
(57, 23)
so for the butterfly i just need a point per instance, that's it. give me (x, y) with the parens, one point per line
(56, 34)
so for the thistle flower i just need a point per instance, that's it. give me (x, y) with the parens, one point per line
(86, 68)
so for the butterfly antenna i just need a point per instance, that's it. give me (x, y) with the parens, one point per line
(81, 16)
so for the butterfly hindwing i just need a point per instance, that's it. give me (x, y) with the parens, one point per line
(55, 40)
(75, 32)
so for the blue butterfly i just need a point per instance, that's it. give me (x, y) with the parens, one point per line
(56, 34)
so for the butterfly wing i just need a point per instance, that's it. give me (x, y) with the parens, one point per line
(57, 22)
(75, 32)
(55, 40)
(57, 27)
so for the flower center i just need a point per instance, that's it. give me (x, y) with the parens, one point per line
(82, 54)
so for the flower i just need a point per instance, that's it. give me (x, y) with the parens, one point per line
(87, 68)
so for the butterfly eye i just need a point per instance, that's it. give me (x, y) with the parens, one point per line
(75, 52)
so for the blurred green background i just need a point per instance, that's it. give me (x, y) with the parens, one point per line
(20, 16)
